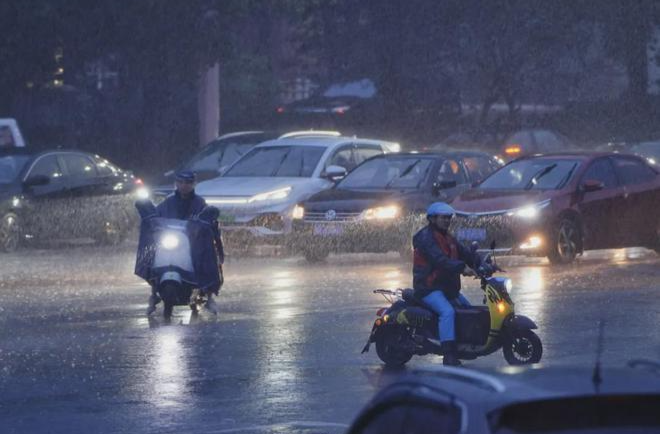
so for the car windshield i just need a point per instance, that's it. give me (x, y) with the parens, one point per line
(533, 174)
(381, 173)
(10, 167)
(279, 161)
(218, 156)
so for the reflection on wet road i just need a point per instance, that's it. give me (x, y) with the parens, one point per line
(78, 355)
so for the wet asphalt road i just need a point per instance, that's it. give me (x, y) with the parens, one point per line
(77, 353)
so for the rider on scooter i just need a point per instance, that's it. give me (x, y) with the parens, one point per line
(439, 261)
(184, 204)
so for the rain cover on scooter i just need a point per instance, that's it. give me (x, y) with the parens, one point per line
(202, 249)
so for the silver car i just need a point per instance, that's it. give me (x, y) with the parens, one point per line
(257, 195)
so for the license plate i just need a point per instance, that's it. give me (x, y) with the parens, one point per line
(328, 230)
(471, 234)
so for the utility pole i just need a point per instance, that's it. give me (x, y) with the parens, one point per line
(208, 104)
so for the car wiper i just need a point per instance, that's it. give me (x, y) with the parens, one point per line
(423, 177)
(540, 174)
(279, 165)
(566, 178)
(406, 171)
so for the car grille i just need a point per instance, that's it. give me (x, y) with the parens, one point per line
(313, 217)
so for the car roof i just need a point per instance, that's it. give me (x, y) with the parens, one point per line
(582, 155)
(436, 154)
(493, 389)
(320, 141)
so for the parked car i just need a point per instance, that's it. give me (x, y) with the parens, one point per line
(360, 103)
(63, 194)
(523, 400)
(379, 205)
(534, 141)
(213, 158)
(561, 205)
(257, 194)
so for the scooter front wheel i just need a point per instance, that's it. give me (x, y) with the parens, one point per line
(522, 347)
(389, 346)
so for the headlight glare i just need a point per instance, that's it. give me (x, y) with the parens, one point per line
(529, 212)
(298, 212)
(169, 241)
(271, 195)
(381, 213)
(142, 193)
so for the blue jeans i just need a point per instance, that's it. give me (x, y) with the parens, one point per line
(440, 305)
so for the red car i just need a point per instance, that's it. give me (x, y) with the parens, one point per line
(563, 204)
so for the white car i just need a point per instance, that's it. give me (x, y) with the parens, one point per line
(258, 194)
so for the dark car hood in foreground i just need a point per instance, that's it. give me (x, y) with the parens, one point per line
(356, 200)
(478, 200)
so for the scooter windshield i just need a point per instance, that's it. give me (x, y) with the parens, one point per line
(172, 246)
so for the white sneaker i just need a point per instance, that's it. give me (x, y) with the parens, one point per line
(435, 342)
(211, 305)
(153, 301)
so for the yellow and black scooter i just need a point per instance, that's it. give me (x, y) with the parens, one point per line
(404, 329)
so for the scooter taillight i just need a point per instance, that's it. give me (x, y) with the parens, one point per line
(381, 312)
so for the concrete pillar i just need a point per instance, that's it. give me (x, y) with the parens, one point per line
(208, 104)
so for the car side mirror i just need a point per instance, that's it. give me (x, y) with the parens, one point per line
(443, 185)
(335, 173)
(592, 185)
(36, 180)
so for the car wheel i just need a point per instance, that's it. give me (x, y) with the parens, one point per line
(522, 348)
(566, 242)
(168, 294)
(10, 232)
(389, 342)
(315, 255)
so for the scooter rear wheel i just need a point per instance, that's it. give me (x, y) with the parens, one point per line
(389, 343)
(168, 294)
(522, 348)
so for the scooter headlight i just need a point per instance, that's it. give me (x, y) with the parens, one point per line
(505, 282)
(169, 241)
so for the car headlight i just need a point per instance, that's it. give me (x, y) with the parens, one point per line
(530, 212)
(271, 195)
(381, 213)
(298, 212)
(169, 241)
(142, 193)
